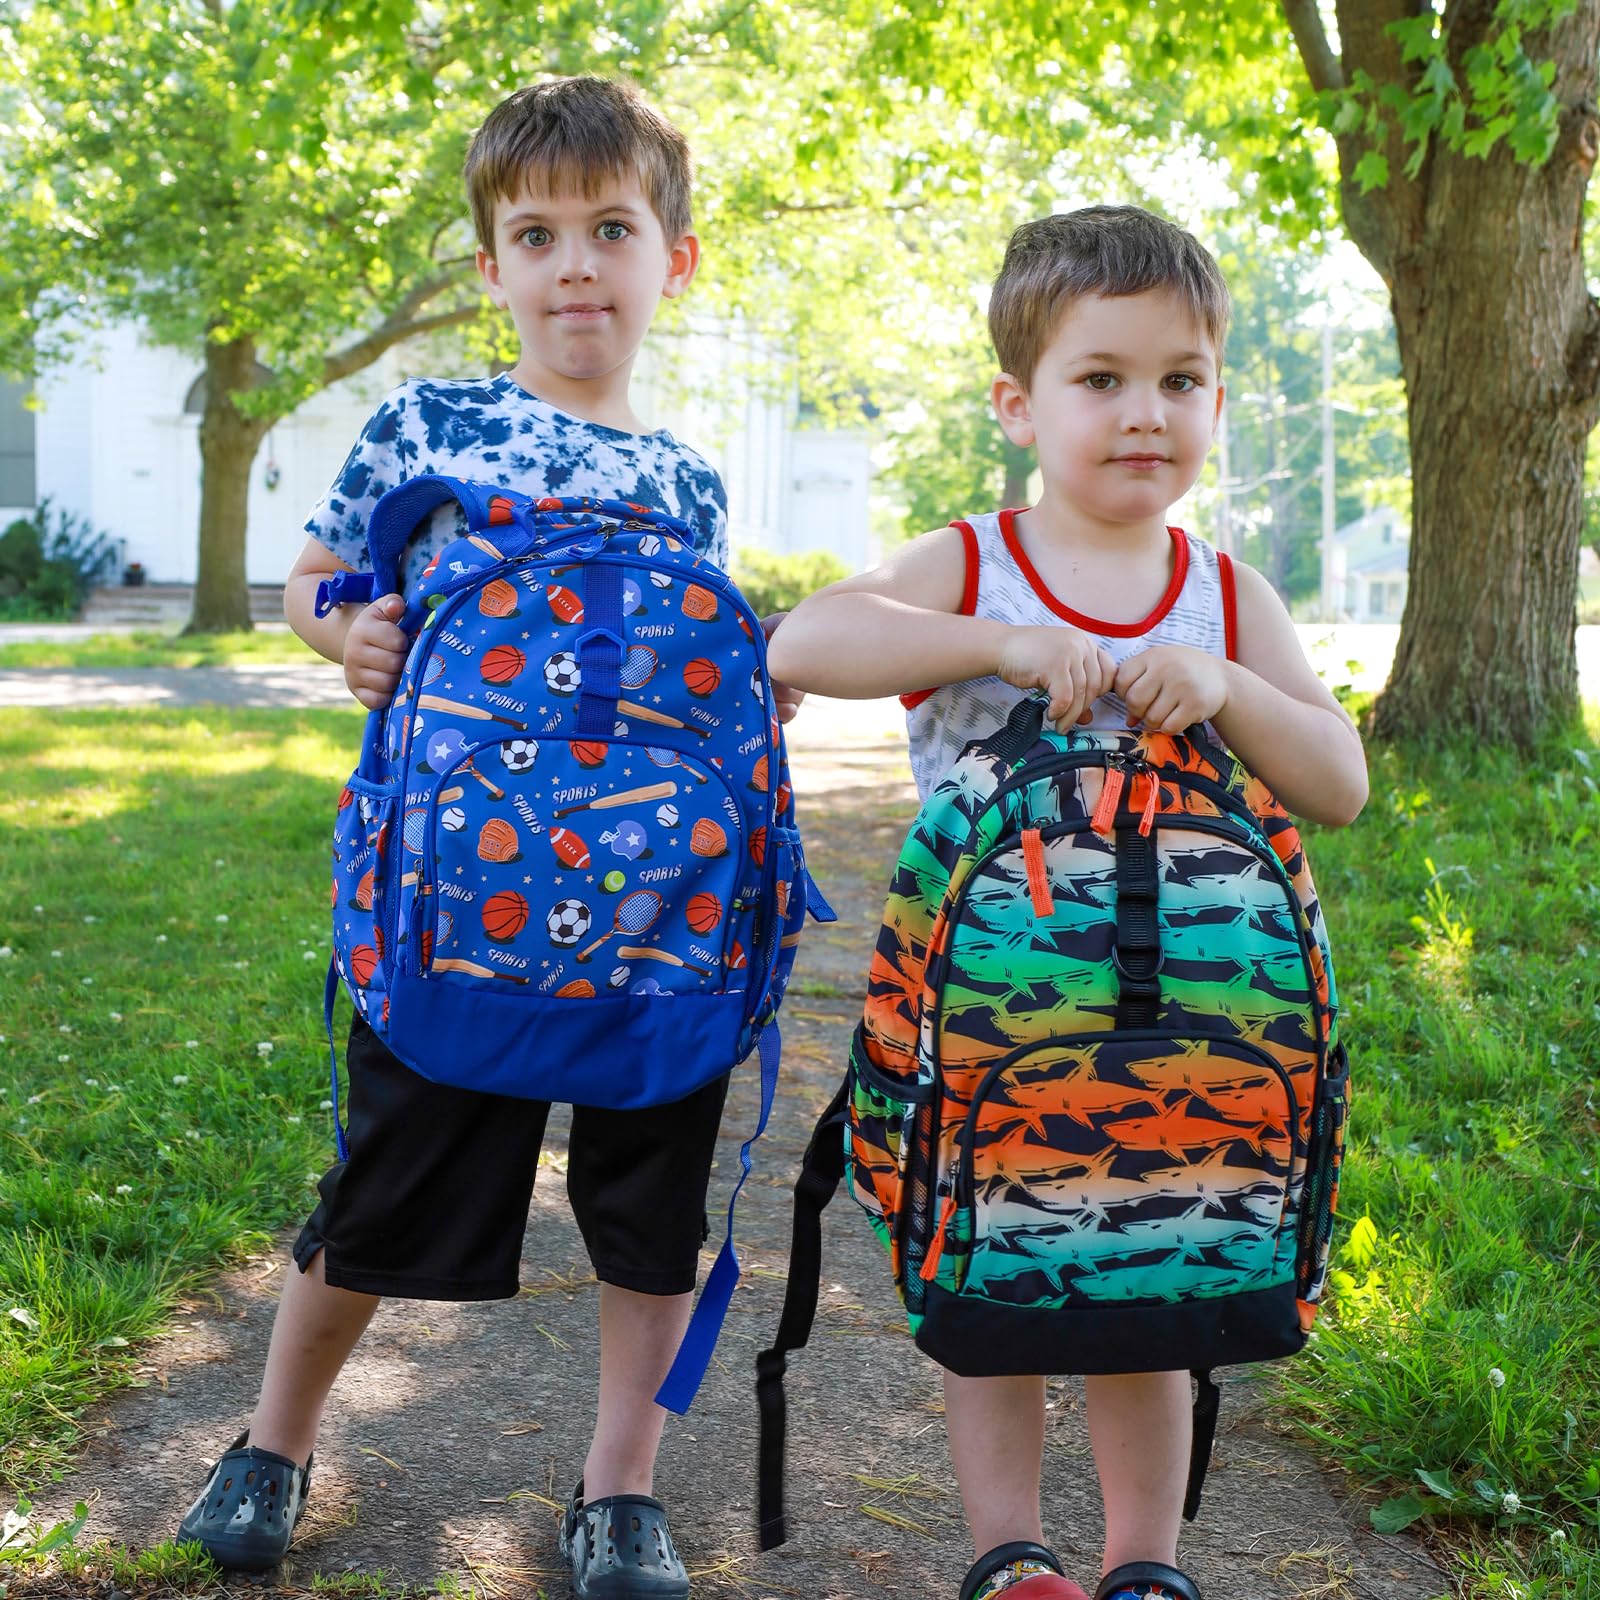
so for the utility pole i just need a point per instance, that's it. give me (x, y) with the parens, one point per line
(1330, 601)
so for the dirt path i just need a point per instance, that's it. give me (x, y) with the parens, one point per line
(455, 1431)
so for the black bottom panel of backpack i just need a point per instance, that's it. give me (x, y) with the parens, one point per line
(975, 1339)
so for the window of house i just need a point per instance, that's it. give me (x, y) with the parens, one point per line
(17, 483)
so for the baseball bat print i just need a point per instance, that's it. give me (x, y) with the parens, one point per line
(623, 797)
(642, 952)
(456, 964)
(434, 702)
(645, 714)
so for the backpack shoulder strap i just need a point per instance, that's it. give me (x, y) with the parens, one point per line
(397, 514)
(820, 1173)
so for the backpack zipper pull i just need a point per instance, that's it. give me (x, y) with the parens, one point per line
(1038, 874)
(930, 1264)
(1110, 793)
(1147, 818)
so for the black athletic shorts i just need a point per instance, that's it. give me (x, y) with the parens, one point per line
(433, 1202)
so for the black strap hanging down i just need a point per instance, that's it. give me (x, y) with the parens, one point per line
(1207, 1400)
(1137, 952)
(820, 1173)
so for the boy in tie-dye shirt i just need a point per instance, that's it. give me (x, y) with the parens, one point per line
(580, 194)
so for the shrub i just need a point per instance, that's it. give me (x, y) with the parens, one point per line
(48, 565)
(779, 583)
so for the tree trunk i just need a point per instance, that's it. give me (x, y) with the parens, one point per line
(228, 444)
(1500, 352)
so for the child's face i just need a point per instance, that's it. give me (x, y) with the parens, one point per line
(582, 277)
(1122, 406)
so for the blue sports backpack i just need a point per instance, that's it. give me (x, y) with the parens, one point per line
(567, 867)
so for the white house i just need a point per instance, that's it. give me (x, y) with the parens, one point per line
(1370, 560)
(114, 439)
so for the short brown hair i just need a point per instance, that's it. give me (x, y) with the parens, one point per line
(572, 135)
(1104, 250)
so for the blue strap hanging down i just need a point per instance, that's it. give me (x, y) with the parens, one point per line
(689, 1366)
(600, 652)
(329, 991)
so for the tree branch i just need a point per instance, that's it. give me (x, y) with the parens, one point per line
(365, 351)
(1311, 39)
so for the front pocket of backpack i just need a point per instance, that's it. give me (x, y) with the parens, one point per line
(1126, 1169)
(881, 1125)
(578, 868)
(363, 833)
(1320, 1197)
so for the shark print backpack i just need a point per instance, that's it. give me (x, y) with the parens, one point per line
(1095, 1107)
(567, 866)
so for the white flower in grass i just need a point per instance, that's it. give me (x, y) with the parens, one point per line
(191, 1044)
(63, 1058)
(239, 966)
(91, 919)
(91, 1083)
(264, 1048)
(291, 1119)
(1511, 1502)
(95, 1199)
(1558, 1536)
(180, 1077)
(34, 1099)
(308, 955)
(219, 862)
(192, 1133)
(85, 981)
(161, 938)
(304, 942)
(5, 951)
(1497, 1379)
(325, 1105)
(116, 1016)
(222, 916)
(124, 1188)
(55, 955)
(65, 1027)
(113, 1088)
(39, 909)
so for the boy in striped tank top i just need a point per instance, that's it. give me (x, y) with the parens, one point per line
(1109, 324)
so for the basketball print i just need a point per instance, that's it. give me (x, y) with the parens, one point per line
(703, 912)
(699, 603)
(588, 752)
(502, 664)
(707, 838)
(505, 915)
(758, 846)
(498, 599)
(702, 677)
(363, 963)
(497, 841)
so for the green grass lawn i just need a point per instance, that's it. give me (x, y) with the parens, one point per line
(103, 650)
(161, 1085)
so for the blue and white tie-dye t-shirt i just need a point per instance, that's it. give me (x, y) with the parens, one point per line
(491, 430)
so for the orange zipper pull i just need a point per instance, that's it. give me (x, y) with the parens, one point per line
(930, 1265)
(1038, 877)
(1148, 817)
(1110, 793)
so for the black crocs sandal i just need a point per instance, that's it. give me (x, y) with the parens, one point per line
(986, 1566)
(620, 1548)
(248, 1508)
(1134, 1578)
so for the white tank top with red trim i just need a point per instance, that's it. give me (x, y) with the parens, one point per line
(1197, 609)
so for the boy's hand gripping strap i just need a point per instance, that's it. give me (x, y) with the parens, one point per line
(820, 1173)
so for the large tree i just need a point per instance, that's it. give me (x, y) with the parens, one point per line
(274, 185)
(1461, 135)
